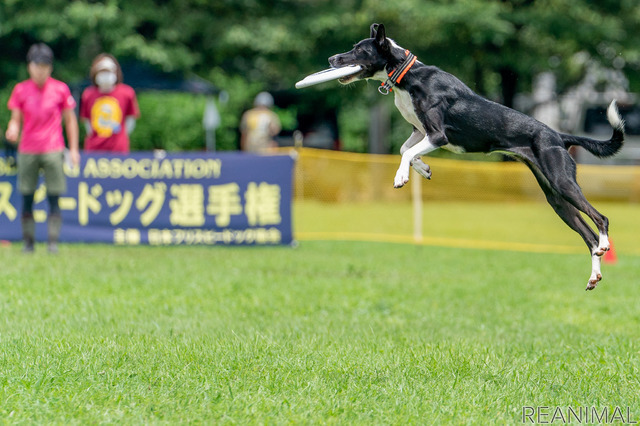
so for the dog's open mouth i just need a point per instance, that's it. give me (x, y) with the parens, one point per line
(350, 78)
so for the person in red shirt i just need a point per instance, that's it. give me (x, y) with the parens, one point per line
(108, 108)
(38, 107)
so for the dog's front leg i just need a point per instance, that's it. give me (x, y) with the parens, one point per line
(409, 155)
(420, 166)
(416, 136)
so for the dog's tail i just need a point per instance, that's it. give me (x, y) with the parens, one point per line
(598, 148)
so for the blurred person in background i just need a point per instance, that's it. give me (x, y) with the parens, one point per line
(38, 107)
(259, 125)
(108, 108)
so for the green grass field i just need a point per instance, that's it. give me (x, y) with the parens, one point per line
(329, 332)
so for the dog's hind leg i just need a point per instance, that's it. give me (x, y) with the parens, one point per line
(420, 166)
(571, 216)
(424, 146)
(596, 275)
(569, 212)
(559, 167)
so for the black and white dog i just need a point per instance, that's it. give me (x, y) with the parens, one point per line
(445, 113)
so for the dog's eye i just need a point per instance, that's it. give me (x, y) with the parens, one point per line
(358, 49)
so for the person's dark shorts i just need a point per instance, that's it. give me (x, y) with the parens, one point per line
(51, 163)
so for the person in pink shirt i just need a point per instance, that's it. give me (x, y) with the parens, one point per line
(108, 108)
(38, 107)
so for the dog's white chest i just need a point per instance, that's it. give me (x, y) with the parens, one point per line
(405, 106)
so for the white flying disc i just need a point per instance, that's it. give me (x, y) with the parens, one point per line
(327, 75)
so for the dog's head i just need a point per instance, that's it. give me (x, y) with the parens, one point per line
(373, 54)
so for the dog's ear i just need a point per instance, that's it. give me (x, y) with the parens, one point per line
(374, 30)
(380, 36)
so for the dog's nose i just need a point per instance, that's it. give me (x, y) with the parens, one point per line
(335, 61)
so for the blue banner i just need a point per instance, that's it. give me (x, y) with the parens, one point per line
(192, 199)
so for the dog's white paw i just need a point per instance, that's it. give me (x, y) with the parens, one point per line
(401, 178)
(422, 168)
(603, 245)
(596, 275)
(602, 249)
(593, 281)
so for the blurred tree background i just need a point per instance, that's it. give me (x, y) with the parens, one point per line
(245, 46)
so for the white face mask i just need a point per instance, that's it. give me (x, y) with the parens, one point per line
(105, 80)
